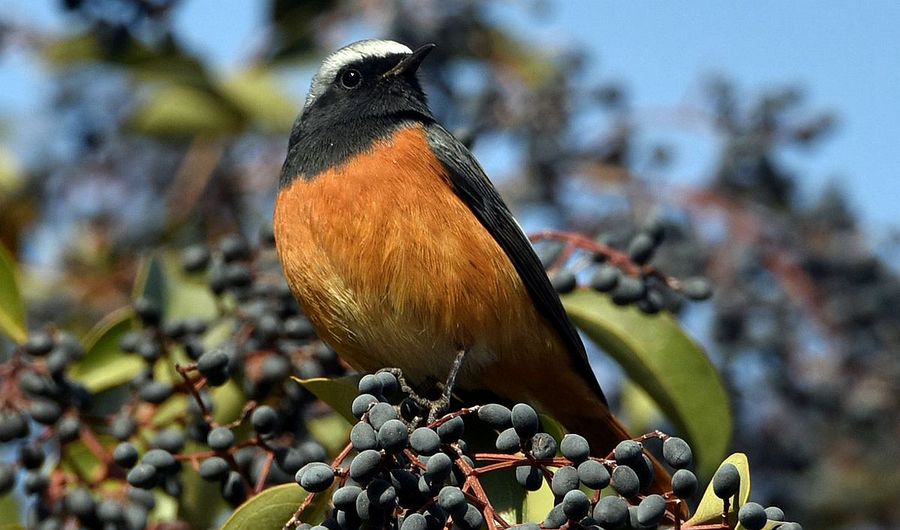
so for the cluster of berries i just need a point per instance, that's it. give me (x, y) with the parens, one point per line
(426, 477)
(626, 275)
(101, 459)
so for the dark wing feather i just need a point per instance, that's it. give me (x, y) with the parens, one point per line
(471, 184)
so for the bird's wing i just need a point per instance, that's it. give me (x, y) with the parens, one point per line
(471, 184)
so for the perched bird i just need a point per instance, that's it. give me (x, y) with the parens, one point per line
(402, 253)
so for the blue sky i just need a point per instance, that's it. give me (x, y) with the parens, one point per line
(845, 54)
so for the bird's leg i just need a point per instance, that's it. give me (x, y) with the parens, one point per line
(406, 388)
(439, 406)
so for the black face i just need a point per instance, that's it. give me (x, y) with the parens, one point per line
(361, 102)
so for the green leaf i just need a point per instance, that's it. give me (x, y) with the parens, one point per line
(151, 283)
(331, 430)
(710, 508)
(105, 365)
(537, 504)
(177, 110)
(658, 356)
(229, 400)
(338, 393)
(10, 513)
(273, 507)
(12, 310)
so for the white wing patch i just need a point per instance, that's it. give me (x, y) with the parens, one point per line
(349, 54)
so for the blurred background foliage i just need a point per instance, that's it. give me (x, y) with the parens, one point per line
(153, 148)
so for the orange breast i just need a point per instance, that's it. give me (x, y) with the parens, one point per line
(394, 270)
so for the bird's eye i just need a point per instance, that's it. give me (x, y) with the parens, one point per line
(351, 78)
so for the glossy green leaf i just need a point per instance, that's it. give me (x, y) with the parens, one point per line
(177, 110)
(331, 430)
(338, 393)
(659, 357)
(12, 309)
(537, 504)
(273, 507)
(710, 508)
(105, 365)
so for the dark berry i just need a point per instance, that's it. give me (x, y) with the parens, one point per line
(220, 439)
(233, 489)
(171, 439)
(593, 474)
(556, 518)
(628, 290)
(370, 384)
(575, 447)
(393, 436)
(44, 411)
(214, 469)
(451, 499)
(7, 478)
(344, 498)
(143, 476)
(677, 453)
(13, 425)
(380, 413)
(651, 510)
(641, 247)
(264, 420)
(530, 478)
(605, 278)
(148, 311)
(752, 516)
(774, 513)
(438, 468)
(195, 258)
(389, 383)
(155, 392)
(628, 452)
(68, 429)
(451, 430)
(161, 459)
(625, 481)
(36, 482)
(212, 361)
(315, 477)
(414, 521)
(543, 446)
(508, 441)
(125, 455)
(611, 512)
(684, 484)
(497, 416)
(563, 281)
(363, 437)
(362, 403)
(525, 420)
(425, 441)
(696, 288)
(110, 512)
(726, 481)
(80, 502)
(38, 344)
(565, 479)
(123, 427)
(576, 505)
(365, 465)
(234, 247)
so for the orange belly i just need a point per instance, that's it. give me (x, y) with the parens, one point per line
(394, 270)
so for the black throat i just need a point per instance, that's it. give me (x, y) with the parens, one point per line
(319, 145)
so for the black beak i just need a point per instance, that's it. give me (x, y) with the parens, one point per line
(411, 63)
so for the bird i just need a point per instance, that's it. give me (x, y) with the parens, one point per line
(402, 253)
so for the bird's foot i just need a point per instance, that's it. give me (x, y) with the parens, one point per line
(435, 408)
